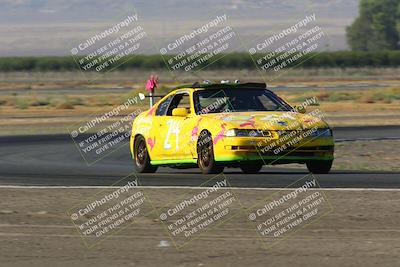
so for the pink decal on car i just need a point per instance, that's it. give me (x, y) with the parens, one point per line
(195, 130)
(151, 142)
(220, 134)
(250, 122)
(151, 111)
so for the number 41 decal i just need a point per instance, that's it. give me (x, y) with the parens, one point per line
(174, 128)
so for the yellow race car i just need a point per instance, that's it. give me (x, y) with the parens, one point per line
(213, 126)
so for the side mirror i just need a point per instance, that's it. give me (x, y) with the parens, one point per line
(180, 112)
(300, 109)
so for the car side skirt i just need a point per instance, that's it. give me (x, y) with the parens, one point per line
(267, 159)
(173, 161)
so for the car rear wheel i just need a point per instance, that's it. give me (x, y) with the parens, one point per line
(141, 160)
(251, 167)
(205, 154)
(319, 166)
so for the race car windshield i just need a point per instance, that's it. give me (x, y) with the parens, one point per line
(231, 100)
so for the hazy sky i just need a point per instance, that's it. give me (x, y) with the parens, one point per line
(53, 27)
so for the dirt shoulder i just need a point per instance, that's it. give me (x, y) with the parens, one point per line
(361, 230)
(368, 155)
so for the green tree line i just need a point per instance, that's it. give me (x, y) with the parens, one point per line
(342, 59)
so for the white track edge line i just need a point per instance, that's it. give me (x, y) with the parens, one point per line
(194, 187)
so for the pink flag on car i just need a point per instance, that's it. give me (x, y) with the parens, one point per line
(151, 83)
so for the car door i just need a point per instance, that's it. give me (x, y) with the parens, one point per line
(177, 136)
(155, 139)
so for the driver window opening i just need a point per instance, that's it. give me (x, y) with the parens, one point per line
(179, 101)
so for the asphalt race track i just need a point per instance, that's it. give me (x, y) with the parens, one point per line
(53, 160)
(43, 177)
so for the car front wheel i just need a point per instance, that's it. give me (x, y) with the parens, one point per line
(251, 167)
(319, 166)
(205, 154)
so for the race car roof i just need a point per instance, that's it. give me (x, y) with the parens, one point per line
(223, 85)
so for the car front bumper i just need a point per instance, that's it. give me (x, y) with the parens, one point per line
(273, 152)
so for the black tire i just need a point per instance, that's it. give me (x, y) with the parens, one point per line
(141, 158)
(205, 155)
(319, 166)
(251, 168)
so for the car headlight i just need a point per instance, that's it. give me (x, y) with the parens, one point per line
(248, 133)
(322, 132)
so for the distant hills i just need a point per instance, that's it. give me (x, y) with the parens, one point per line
(51, 27)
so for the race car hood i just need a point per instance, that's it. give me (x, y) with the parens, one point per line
(268, 120)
